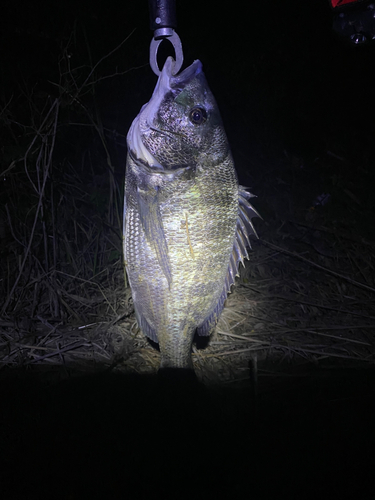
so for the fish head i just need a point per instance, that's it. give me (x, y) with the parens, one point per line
(180, 127)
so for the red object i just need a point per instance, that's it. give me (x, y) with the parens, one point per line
(340, 3)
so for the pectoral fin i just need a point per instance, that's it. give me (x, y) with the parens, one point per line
(152, 223)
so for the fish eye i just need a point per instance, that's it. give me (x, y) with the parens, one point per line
(198, 116)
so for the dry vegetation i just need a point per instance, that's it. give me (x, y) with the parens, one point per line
(306, 296)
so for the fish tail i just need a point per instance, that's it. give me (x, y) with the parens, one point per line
(175, 348)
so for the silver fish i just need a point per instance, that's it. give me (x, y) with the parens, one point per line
(187, 222)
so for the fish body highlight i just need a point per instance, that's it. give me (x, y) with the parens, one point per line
(187, 222)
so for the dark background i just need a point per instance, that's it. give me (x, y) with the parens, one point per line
(283, 80)
(288, 88)
(289, 91)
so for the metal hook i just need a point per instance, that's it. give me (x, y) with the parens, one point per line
(177, 45)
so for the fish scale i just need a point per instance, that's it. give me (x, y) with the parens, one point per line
(186, 222)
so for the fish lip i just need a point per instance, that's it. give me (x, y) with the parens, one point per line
(167, 79)
(180, 80)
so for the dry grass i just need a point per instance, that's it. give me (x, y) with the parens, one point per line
(306, 296)
(288, 308)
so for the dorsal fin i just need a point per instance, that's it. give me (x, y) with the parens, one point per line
(245, 229)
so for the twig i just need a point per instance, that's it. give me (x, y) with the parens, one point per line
(305, 302)
(105, 57)
(241, 337)
(41, 193)
(70, 347)
(228, 353)
(322, 268)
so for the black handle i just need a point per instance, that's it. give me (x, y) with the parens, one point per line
(162, 14)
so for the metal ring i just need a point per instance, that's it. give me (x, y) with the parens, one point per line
(177, 45)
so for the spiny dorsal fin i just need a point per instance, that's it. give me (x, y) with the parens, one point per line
(245, 229)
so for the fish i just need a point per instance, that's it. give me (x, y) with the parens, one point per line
(187, 221)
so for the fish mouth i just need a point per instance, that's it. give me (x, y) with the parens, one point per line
(144, 122)
(177, 82)
(168, 82)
